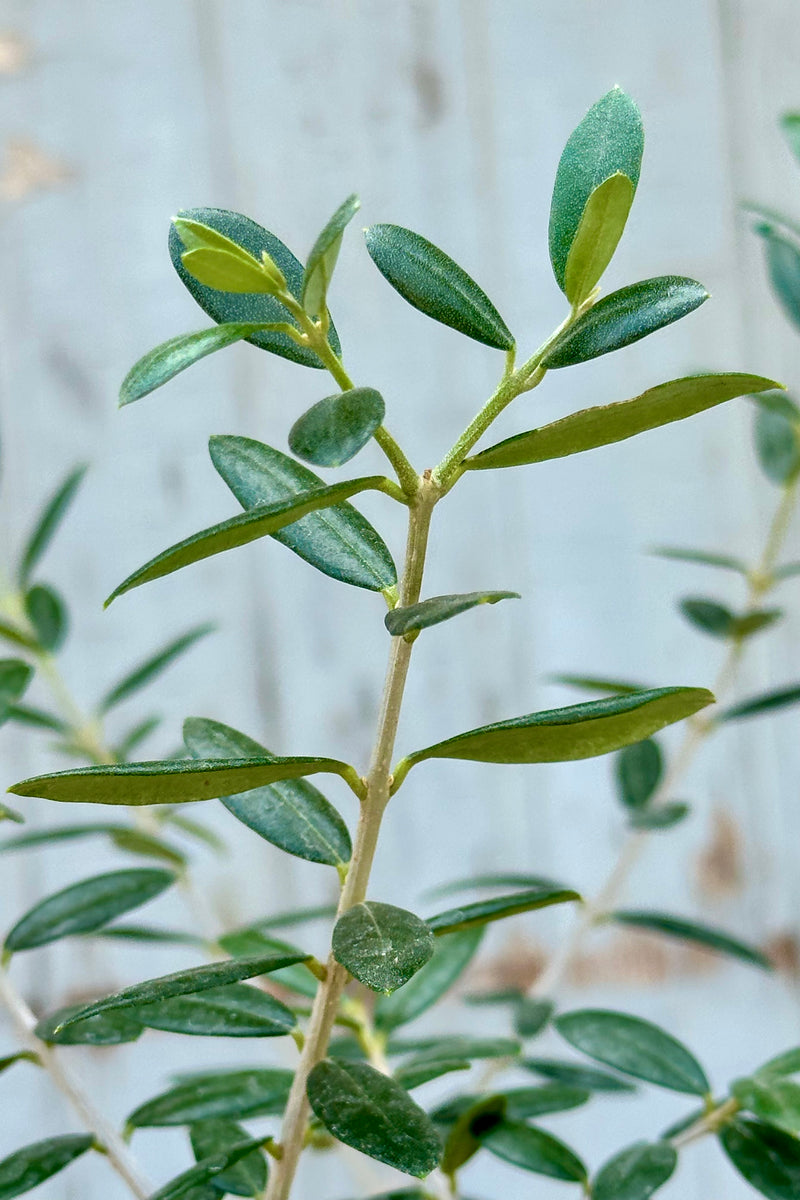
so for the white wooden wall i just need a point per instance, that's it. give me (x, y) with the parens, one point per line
(448, 117)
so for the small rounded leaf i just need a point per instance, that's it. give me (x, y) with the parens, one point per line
(382, 946)
(635, 1173)
(639, 769)
(336, 428)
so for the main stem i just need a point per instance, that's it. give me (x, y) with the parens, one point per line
(379, 779)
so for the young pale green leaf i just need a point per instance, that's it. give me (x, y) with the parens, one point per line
(534, 1150)
(227, 273)
(337, 541)
(197, 236)
(235, 1010)
(790, 128)
(244, 528)
(402, 621)
(47, 614)
(607, 144)
(86, 906)
(429, 280)
(526, 1102)
(778, 445)
(702, 557)
(663, 816)
(167, 360)
(450, 959)
(372, 1113)
(190, 1185)
(175, 781)
(322, 259)
(11, 814)
(243, 308)
(239, 1094)
(381, 946)
(248, 1176)
(635, 1173)
(635, 1047)
(766, 702)
(15, 675)
(690, 931)
(49, 520)
(291, 814)
(152, 667)
(336, 428)
(577, 1075)
(638, 771)
(531, 1015)
(463, 1140)
(107, 1029)
(768, 1158)
(498, 908)
(27, 1168)
(783, 268)
(608, 423)
(625, 317)
(565, 734)
(774, 1100)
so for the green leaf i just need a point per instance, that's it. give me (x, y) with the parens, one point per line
(243, 308)
(27, 1168)
(414, 1074)
(513, 879)
(291, 814)
(152, 667)
(47, 614)
(625, 317)
(778, 401)
(166, 361)
(49, 520)
(608, 423)
(11, 814)
(787, 1063)
(10, 1060)
(297, 916)
(464, 1139)
(17, 637)
(151, 934)
(787, 571)
(526, 1102)
(531, 1015)
(577, 1075)
(248, 1177)
(15, 675)
(607, 143)
(639, 769)
(566, 734)
(635, 1047)
(429, 280)
(107, 1029)
(401, 621)
(635, 1173)
(187, 1184)
(534, 1150)
(380, 945)
(690, 931)
(54, 834)
(455, 1046)
(498, 908)
(766, 702)
(322, 259)
(790, 128)
(774, 1100)
(337, 541)
(148, 845)
(372, 1113)
(35, 718)
(174, 781)
(235, 1010)
(662, 817)
(244, 943)
(768, 1158)
(451, 957)
(244, 528)
(238, 1094)
(594, 683)
(702, 557)
(336, 428)
(85, 906)
(783, 268)
(778, 445)
(228, 273)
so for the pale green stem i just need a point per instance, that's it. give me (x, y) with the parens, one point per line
(710, 1122)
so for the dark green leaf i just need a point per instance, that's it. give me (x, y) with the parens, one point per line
(27, 1168)
(608, 423)
(373, 1114)
(662, 817)
(322, 259)
(152, 667)
(790, 127)
(239, 1094)
(531, 1016)
(708, 615)
(166, 361)
(577, 1075)
(635, 1173)
(787, 1063)
(635, 1047)
(380, 945)
(137, 841)
(639, 769)
(185, 1186)
(608, 142)
(34, 717)
(247, 942)
(778, 445)
(401, 621)
(512, 879)
(594, 683)
(429, 280)
(689, 931)
(107, 1029)
(464, 1139)
(336, 428)
(455, 1046)
(15, 675)
(766, 702)
(768, 1158)
(534, 1150)
(248, 1177)
(771, 1099)
(498, 908)
(55, 833)
(238, 308)
(48, 615)
(701, 557)
(413, 1074)
(337, 541)
(85, 906)
(778, 400)
(451, 957)
(291, 814)
(783, 267)
(236, 1010)
(526, 1102)
(48, 522)
(151, 934)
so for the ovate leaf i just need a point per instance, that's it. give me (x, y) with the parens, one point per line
(322, 259)
(783, 267)
(152, 667)
(768, 1158)
(451, 957)
(401, 621)
(336, 428)
(498, 908)
(464, 1139)
(382, 946)
(635, 1047)
(166, 361)
(635, 1173)
(238, 1094)
(15, 675)
(534, 1150)
(49, 520)
(778, 445)
(690, 931)
(639, 769)
(27, 1168)
(47, 614)
(248, 1177)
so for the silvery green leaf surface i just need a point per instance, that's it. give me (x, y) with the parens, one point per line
(382, 946)
(333, 430)
(239, 1093)
(635, 1047)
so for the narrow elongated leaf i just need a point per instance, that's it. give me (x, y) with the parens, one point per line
(248, 1176)
(577, 1075)
(247, 527)
(429, 280)
(786, 1063)
(138, 841)
(235, 1010)
(463, 1140)
(248, 942)
(373, 1114)
(635, 1047)
(11, 814)
(455, 1046)
(166, 361)
(107, 1029)
(47, 614)
(565, 734)
(151, 934)
(608, 423)
(768, 1158)
(771, 1099)
(336, 428)
(17, 637)
(783, 268)
(238, 308)
(238, 1094)
(690, 931)
(49, 520)
(787, 571)
(766, 702)
(322, 259)
(55, 834)
(635, 1173)
(185, 1186)
(400, 621)
(35, 718)
(413, 1074)
(638, 770)
(451, 957)
(27, 1168)
(790, 128)
(135, 736)
(607, 143)
(526, 1102)
(381, 945)
(291, 814)
(595, 683)
(534, 1150)
(506, 879)
(498, 908)
(778, 445)
(175, 782)
(702, 557)
(152, 667)
(15, 675)
(85, 906)
(10, 1060)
